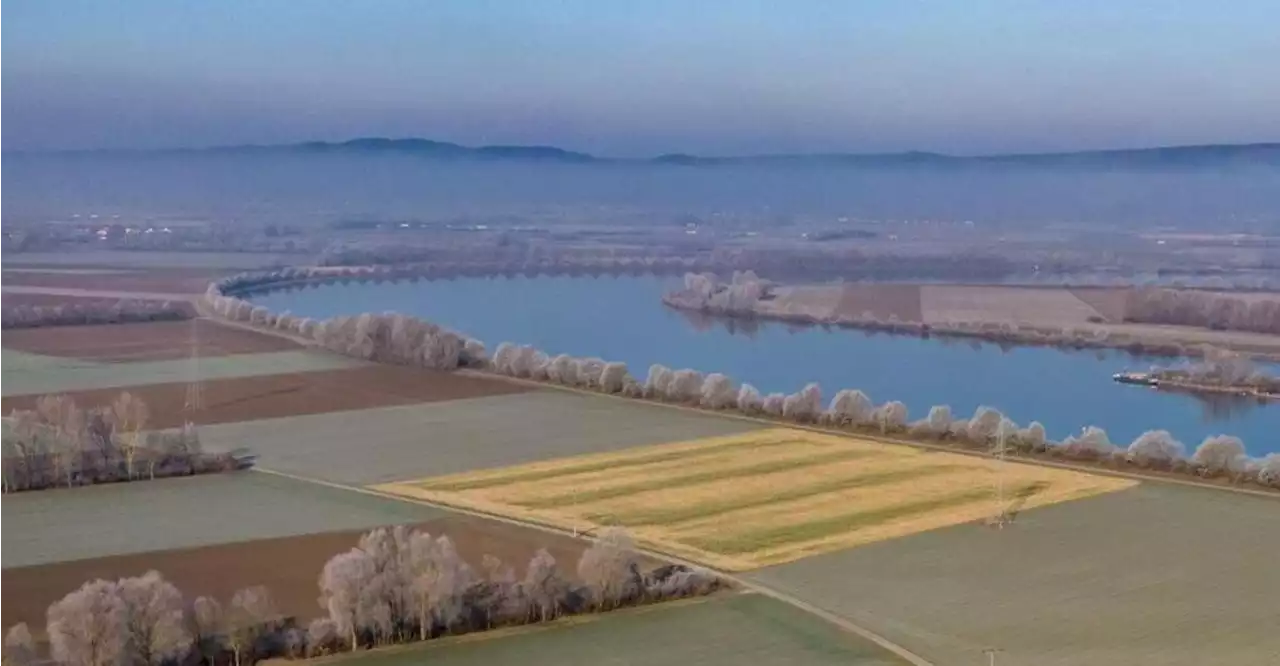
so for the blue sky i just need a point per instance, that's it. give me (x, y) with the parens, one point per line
(634, 78)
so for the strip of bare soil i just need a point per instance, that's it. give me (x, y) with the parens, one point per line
(148, 341)
(294, 394)
(182, 281)
(289, 566)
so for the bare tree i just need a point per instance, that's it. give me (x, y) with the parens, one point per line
(87, 627)
(129, 416)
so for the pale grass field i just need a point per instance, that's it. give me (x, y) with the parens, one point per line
(750, 500)
(942, 303)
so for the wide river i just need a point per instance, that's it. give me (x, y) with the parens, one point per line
(622, 319)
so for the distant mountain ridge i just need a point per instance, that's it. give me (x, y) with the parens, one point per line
(1197, 156)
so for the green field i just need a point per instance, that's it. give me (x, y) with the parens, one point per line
(737, 630)
(60, 525)
(394, 443)
(1155, 574)
(31, 373)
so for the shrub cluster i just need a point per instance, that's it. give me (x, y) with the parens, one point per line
(398, 585)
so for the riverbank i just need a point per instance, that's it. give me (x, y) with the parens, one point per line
(1063, 317)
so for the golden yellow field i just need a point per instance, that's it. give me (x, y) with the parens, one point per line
(743, 501)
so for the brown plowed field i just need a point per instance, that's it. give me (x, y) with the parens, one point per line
(289, 566)
(294, 394)
(10, 299)
(881, 300)
(1110, 302)
(183, 281)
(145, 341)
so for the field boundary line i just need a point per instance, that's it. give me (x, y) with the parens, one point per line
(800, 604)
(883, 439)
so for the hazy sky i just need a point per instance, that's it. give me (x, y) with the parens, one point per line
(628, 78)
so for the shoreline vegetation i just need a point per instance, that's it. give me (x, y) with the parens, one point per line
(397, 338)
(747, 297)
(1220, 372)
(398, 585)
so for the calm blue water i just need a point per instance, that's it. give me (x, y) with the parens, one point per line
(622, 319)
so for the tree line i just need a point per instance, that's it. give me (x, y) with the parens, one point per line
(375, 339)
(398, 585)
(94, 312)
(1219, 456)
(1205, 309)
(58, 444)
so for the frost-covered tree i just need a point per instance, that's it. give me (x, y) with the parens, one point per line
(322, 637)
(153, 618)
(342, 583)
(128, 416)
(849, 407)
(718, 392)
(610, 569)
(613, 377)
(1091, 443)
(208, 629)
(685, 386)
(87, 627)
(749, 399)
(1155, 447)
(655, 385)
(19, 646)
(543, 586)
(251, 614)
(891, 416)
(1220, 454)
(1033, 437)
(773, 404)
(982, 427)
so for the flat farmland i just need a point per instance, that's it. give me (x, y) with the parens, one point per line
(942, 303)
(413, 441)
(723, 630)
(882, 301)
(252, 398)
(36, 374)
(146, 341)
(747, 500)
(289, 566)
(1154, 574)
(172, 280)
(134, 259)
(95, 521)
